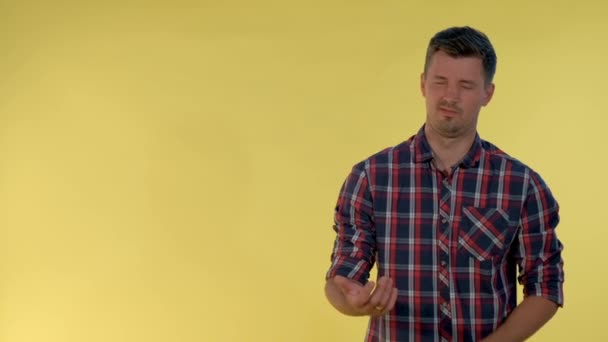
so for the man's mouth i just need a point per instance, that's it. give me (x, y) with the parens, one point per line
(449, 111)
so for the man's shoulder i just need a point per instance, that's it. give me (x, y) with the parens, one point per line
(507, 165)
(400, 153)
(501, 159)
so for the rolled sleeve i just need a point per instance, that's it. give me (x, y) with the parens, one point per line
(353, 254)
(540, 253)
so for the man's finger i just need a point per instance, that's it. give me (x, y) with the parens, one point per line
(376, 301)
(386, 293)
(393, 299)
(390, 304)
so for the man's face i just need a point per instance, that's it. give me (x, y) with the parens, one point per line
(455, 91)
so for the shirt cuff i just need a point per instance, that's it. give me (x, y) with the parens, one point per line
(354, 269)
(553, 292)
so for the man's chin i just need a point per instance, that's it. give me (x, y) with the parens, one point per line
(449, 129)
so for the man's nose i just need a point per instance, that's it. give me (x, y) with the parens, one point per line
(452, 93)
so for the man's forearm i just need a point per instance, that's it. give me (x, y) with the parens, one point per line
(529, 316)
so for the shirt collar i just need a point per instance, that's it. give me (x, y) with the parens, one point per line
(424, 153)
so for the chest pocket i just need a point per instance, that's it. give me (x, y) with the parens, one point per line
(486, 233)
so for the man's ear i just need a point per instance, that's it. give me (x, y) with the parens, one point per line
(422, 82)
(489, 92)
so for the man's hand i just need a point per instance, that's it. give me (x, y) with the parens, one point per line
(367, 300)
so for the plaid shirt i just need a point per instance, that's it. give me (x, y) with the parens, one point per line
(452, 244)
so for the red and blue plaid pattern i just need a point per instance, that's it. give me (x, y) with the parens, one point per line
(454, 245)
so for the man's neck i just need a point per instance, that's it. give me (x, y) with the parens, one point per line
(448, 151)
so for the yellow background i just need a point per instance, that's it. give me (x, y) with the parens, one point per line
(168, 171)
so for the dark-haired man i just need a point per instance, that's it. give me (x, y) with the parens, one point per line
(450, 221)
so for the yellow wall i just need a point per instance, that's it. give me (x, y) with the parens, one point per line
(168, 171)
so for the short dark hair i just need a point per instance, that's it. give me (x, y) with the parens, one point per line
(464, 42)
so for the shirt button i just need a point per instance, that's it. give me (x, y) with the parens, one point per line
(444, 220)
(443, 263)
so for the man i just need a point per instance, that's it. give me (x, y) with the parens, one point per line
(448, 219)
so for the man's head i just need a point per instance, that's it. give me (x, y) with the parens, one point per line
(464, 42)
(457, 80)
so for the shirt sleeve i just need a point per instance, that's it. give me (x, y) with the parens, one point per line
(540, 251)
(354, 249)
